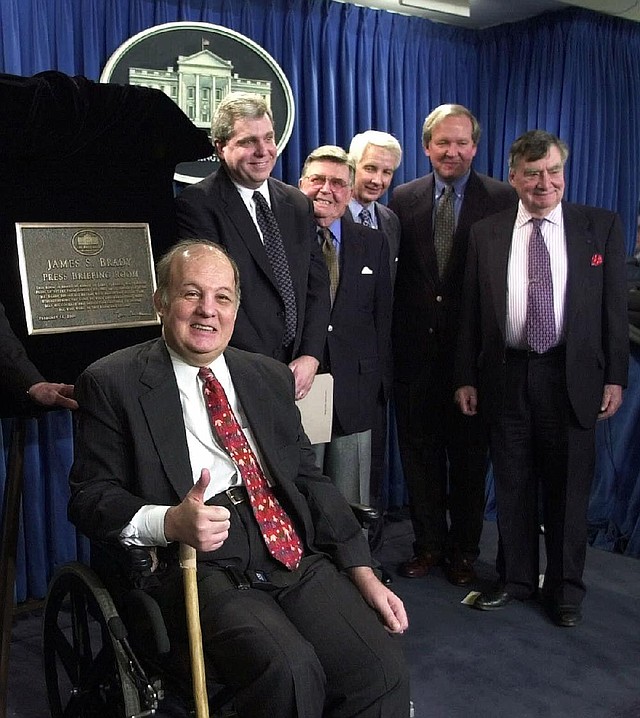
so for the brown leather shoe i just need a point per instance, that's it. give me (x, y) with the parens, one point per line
(419, 565)
(459, 571)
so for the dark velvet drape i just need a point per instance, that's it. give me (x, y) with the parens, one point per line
(573, 72)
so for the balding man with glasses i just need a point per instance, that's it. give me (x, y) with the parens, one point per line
(357, 351)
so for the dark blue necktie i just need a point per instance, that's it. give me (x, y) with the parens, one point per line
(279, 263)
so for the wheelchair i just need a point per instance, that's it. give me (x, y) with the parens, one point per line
(101, 662)
(107, 653)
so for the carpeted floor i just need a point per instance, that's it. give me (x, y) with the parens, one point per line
(465, 663)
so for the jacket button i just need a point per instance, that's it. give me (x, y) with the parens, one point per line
(330, 328)
(439, 298)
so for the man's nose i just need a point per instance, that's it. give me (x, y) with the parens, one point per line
(544, 180)
(207, 306)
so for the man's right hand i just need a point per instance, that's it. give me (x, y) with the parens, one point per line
(193, 522)
(466, 397)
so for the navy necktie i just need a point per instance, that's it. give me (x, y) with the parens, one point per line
(365, 218)
(279, 263)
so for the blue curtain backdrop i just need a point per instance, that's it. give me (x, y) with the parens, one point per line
(573, 72)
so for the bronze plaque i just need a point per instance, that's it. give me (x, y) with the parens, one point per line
(82, 277)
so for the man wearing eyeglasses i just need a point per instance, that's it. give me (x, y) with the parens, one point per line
(357, 351)
(269, 230)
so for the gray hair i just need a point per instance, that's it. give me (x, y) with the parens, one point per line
(441, 112)
(534, 145)
(237, 106)
(331, 153)
(378, 139)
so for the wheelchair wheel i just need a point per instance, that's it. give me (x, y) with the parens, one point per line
(87, 672)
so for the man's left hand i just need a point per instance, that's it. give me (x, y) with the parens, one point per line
(304, 369)
(48, 394)
(611, 400)
(383, 601)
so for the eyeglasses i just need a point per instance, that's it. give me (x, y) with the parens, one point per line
(336, 183)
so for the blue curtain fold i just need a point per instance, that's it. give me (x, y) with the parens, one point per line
(573, 72)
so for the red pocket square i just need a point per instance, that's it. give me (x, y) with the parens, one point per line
(596, 260)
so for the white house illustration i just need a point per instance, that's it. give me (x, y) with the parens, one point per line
(199, 83)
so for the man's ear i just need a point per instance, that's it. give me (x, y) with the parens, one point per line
(219, 146)
(157, 304)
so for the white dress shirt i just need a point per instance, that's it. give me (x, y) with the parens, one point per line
(247, 197)
(517, 273)
(147, 525)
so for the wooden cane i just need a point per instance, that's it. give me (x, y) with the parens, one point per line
(189, 574)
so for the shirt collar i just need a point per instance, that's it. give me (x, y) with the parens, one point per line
(458, 186)
(247, 194)
(356, 207)
(184, 370)
(523, 216)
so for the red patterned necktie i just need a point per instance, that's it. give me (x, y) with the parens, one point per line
(277, 529)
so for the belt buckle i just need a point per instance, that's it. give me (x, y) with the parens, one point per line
(235, 495)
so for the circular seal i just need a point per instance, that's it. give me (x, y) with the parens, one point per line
(87, 242)
(197, 64)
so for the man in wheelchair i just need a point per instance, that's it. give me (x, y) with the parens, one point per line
(184, 440)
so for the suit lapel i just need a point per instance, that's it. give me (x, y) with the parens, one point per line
(236, 211)
(162, 409)
(422, 214)
(498, 248)
(352, 251)
(257, 409)
(580, 248)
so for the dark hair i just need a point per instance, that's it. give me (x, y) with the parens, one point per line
(534, 145)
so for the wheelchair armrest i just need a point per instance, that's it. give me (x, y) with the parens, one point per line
(365, 514)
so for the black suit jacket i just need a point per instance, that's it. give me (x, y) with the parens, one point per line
(426, 309)
(358, 341)
(17, 373)
(597, 336)
(213, 209)
(131, 449)
(389, 225)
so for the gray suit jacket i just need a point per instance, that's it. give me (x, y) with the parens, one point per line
(131, 450)
(596, 325)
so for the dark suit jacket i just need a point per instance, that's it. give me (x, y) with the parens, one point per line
(426, 309)
(213, 209)
(131, 448)
(358, 341)
(389, 225)
(597, 337)
(17, 373)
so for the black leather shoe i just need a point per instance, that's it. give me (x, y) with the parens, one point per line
(420, 565)
(459, 571)
(567, 615)
(493, 600)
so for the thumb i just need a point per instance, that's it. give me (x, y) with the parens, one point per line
(199, 488)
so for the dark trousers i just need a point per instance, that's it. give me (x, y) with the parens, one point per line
(444, 460)
(305, 646)
(541, 457)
